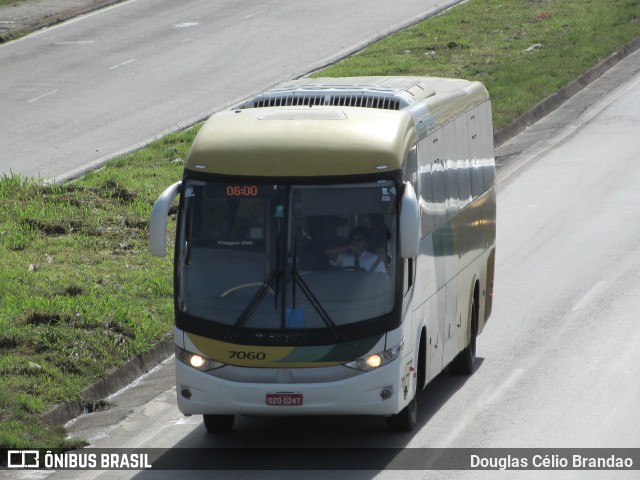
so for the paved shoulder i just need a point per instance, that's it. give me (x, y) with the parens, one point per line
(29, 15)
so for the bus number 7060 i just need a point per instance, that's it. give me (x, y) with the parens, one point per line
(241, 355)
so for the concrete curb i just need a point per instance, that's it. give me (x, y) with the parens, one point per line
(113, 382)
(554, 100)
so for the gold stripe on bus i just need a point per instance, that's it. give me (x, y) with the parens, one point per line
(261, 356)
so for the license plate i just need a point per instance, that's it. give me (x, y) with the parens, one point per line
(284, 399)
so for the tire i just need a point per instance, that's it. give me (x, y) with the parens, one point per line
(406, 419)
(464, 362)
(218, 423)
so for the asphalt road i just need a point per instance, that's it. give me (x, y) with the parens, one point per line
(102, 84)
(559, 363)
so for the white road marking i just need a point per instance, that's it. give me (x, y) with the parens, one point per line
(42, 96)
(491, 395)
(254, 15)
(187, 24)
(596, 290)
(76, 42)
(122, 64)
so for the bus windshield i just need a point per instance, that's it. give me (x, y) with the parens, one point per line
(287, 257)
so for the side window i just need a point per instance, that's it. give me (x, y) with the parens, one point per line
(464, 181)
(461, 157)
(408, 276)
(426, 200)
(439, 192)
(453, 196)
(485, 134)
(477, 182)
(411, 169)
(426, 194)
(433, 197)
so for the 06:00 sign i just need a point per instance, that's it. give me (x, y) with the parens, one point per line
(242, 190)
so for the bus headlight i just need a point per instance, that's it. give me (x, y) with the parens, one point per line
(371, 362)
(197, 361)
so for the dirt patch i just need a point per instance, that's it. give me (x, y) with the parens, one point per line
(52, 319)
(95, 406)
(8, 343)
(120, 330)
(43, 318)
(136, 224)
(54, 229)
(115, 191)
(72, 291)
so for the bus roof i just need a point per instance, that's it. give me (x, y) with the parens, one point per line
(302, 141)
(330, 126)
(374, 92)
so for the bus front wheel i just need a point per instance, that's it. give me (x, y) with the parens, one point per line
(406, 419)
(465, 361)
(218, 423)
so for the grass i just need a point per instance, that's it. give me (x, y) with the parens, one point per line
(4, 3)
(79, 292)
(491, 41)
(8, 36)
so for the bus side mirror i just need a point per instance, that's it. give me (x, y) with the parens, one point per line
(409, 223)
(158, 220)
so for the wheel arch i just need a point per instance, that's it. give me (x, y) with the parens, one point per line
(474, 298)
(422, 373)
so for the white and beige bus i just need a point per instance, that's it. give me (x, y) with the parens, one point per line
(334, 249)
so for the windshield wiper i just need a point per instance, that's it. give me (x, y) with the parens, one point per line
(273, 277)
(315, 303)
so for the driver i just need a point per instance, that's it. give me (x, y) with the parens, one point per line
(355, 254)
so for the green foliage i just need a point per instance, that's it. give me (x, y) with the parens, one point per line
(79, 292)
(523, 51)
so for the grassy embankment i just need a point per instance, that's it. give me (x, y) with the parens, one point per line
(79, 292)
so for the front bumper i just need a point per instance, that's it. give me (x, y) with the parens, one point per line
(202, 393)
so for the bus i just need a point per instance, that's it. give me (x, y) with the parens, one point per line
(335, 248)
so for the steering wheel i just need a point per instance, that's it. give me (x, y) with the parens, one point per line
(353, 268)
(245, 285)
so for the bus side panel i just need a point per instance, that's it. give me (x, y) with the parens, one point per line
(457, 172)
(455, 150)
(435, 339)
(429, 300)
(430, 316)
(452, 325)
